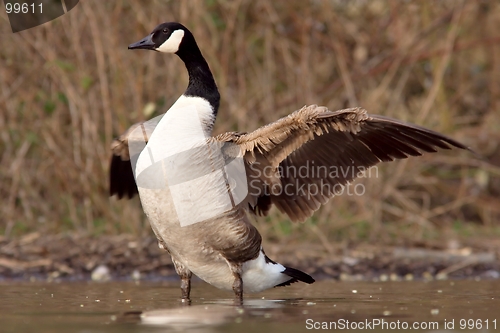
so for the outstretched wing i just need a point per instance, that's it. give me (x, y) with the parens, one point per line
(301, 161)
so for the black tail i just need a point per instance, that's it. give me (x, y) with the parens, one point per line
(296, 276)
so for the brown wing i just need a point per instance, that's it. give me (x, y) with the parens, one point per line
(121, 176)
(300, 161)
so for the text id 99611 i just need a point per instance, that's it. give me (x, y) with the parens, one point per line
(24, 8)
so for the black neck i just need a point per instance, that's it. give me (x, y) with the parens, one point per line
(201, 81)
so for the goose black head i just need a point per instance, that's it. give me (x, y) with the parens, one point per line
(173, 37)
(167, 38)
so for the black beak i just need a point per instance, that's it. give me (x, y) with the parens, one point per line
(145, 43)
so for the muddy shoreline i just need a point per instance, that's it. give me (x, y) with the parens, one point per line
(37, 257)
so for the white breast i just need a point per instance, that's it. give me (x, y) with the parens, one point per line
(180, 156)
(187, 123)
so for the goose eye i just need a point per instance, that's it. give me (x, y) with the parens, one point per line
(165, 30)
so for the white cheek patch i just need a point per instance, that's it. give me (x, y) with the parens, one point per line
(171, 45)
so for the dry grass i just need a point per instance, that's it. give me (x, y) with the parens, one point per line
(68, 87)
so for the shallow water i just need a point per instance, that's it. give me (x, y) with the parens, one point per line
(115, 307)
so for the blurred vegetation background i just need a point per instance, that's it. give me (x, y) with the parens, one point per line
(69, 86)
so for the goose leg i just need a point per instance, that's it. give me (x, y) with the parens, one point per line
(237, 284)
(186, 287)
(238, 289)
(185, 275)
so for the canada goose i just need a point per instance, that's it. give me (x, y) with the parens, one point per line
(225, 249)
